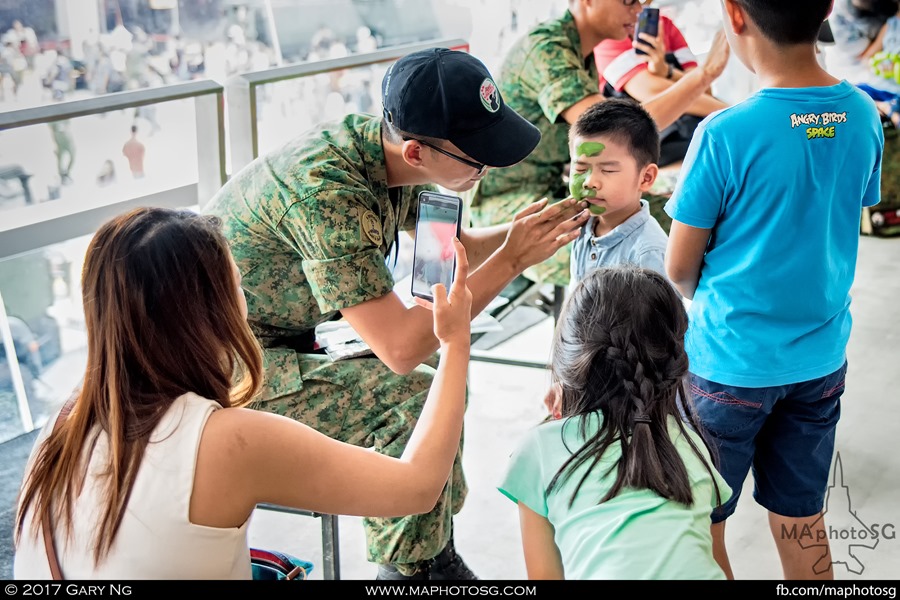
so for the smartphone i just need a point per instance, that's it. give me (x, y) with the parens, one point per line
(648, 22)
(434, 259)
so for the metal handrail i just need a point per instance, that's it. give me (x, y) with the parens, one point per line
(71, 109)
(242, 97)
(318, 67)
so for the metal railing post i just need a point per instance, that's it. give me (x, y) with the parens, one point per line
(243, 128)
(210, 121)
(15, 369)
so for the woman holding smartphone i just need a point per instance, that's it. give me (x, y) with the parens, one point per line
(155, 453)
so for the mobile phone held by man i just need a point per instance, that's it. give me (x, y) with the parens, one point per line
(648, 22)
(434, 260)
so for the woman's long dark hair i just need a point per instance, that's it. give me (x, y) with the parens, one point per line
(163, 318)
(619, 351)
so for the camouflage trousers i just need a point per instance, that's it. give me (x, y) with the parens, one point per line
(362, 402)
(657, 204)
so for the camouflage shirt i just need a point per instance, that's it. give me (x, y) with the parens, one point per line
(543, 74)
(310, 226)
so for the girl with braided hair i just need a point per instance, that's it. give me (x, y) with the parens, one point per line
(618, 484)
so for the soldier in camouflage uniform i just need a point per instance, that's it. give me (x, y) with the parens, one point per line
(549, 77)
(310, 226)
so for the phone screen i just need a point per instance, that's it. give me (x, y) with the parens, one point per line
(648, 22)
(437, 223)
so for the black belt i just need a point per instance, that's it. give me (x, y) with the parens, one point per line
(304, 343)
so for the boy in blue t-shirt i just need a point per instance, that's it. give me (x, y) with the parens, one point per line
(615, 150)
(764, 240)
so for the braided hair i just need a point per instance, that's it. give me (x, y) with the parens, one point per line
(619, 351)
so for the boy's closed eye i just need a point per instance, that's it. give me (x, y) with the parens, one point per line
(603, 167)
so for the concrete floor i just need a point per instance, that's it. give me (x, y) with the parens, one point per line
(506, 400)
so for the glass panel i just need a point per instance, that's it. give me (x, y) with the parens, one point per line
(42, 295)
(68, 49)
(288, 108)
(97, 159)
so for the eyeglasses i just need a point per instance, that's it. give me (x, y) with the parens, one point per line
(480, 168)
(633, 2)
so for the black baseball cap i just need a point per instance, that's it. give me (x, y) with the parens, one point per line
(450, 95)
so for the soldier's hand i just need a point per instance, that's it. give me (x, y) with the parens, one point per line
(453, 311)
(717, 57)
(541, 229)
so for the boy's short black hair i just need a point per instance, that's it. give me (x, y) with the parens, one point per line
(624, 120)
(788, 22)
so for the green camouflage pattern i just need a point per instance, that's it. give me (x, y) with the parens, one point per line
(890, 189)
(657, 204)
(362, 402)
(543, 74)
(310, 226)
(890, 170)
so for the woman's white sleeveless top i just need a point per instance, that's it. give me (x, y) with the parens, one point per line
(156, 539)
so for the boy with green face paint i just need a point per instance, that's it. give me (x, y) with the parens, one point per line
(615, 148)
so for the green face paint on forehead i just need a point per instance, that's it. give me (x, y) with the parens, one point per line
(589, 149)
(577, 180)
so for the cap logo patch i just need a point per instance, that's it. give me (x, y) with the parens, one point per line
(490, 96)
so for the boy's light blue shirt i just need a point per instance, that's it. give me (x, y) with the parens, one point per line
(639, 240)
(780, 179)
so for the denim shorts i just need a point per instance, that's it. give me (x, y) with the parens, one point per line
(784, 433)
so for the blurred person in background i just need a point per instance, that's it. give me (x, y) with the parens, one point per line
(855, 25)
(134, 150)
(12, 66)
(64, 146)
(26, 39)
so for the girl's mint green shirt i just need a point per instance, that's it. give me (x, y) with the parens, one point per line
(636, 535)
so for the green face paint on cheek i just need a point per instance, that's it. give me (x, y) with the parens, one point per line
(577, 180)
(576, 186)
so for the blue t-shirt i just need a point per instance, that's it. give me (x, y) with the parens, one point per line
(639, 240)
(780, 178)
(638, 534)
